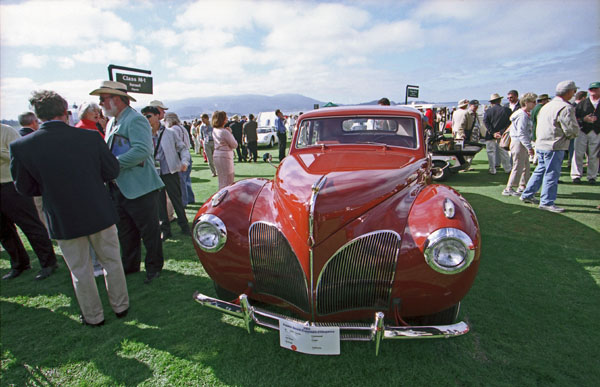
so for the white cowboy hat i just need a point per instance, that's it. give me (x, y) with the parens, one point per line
(112, 87)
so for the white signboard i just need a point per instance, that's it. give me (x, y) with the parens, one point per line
(309, 339)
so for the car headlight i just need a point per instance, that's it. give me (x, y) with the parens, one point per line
(210, 233)
(449, 250)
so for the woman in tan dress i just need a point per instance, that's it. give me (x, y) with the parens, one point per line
(225, 143)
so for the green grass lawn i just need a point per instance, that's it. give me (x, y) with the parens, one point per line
(534, 312)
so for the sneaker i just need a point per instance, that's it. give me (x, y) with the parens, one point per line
(509, 192)
(592, 181)
(551, 208)
(530, 200)
(520, 190)
(576, 180)
(492, 172)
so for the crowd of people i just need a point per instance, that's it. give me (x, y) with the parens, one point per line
(536, 129)
(103, 192)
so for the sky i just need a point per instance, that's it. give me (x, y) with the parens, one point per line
(341, 51)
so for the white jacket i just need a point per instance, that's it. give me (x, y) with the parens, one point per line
(556, 125)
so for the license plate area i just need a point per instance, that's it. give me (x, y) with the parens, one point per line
(309, 339)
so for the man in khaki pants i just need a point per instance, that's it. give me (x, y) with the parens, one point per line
(69, 167)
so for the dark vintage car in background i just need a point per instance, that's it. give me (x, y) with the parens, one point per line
(349, 241)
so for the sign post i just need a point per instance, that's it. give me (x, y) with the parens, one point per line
(412, 91)
(135, 83)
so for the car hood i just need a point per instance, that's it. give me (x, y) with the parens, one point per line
(354, 182)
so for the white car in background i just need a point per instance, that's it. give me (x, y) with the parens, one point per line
(267, 135)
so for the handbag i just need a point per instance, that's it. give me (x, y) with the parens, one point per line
(505, 139)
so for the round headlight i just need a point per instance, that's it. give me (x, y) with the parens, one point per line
(449, 251)
(210, 233)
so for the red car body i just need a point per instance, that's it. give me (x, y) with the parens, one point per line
(342, 229)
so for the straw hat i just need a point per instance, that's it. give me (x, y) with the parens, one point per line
(112, 87)
(495, 96)
(462, 103)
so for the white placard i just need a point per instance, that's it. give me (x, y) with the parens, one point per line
(309, 339)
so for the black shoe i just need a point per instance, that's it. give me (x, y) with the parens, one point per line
(186, 231)
(14, 273)
(122, 314)
(576, 180)
(165, 235)
(151, 277)
(592, 181)
(82, 320)
(127, 272)
(46, 272)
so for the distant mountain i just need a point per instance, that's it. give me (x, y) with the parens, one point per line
(242, 104)
(254, 103)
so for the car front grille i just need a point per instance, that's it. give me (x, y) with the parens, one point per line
(359, 275)
(277, 271)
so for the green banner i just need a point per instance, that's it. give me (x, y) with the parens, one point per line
(413, 93)
(136, 83)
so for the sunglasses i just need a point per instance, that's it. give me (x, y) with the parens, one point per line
(148, 116)
(102, 99)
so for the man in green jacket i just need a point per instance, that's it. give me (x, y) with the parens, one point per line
(135, 191)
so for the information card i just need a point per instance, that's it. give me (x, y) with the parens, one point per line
(309, 339)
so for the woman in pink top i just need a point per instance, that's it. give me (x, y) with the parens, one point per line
(225, 143)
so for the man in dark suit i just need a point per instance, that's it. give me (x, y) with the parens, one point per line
(513, 101)
(69, 167)
(29, 123)
(496, 120)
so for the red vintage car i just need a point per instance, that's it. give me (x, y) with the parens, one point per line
(350, 239)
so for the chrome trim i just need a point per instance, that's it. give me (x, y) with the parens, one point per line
(376, 331)
(218, 197)
(442, 235)
(276, 268)
(316, 188)
(449, 208)
(219, 226)
(360, 274)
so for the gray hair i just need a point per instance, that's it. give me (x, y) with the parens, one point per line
(27, 118)
(172, 119)
(528, 97)
(85, 108)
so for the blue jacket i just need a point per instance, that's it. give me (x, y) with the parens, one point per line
(132, 135)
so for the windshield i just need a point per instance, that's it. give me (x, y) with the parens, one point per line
(264, 130)
(393, 131)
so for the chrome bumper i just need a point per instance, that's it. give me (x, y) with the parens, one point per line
(376, 331)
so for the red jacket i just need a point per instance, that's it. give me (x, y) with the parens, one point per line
(88, 124)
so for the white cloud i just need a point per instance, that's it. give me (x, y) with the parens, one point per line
(59, 23)
(65, 63)
(105, 53)
(33, 60)
(142, 56)
(165, 37)
(16, 93)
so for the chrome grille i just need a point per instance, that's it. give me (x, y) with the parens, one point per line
(360, 274)
(276, 269)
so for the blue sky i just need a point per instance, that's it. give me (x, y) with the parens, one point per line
(344, 51)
